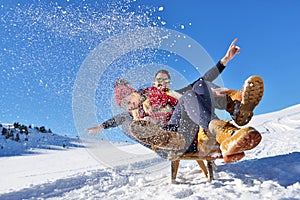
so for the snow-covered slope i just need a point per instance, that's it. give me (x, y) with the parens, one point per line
(270, 171)
(32, 140)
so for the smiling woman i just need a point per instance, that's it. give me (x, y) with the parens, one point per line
(125, 96)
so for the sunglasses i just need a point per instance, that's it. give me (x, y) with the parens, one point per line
(163, 80)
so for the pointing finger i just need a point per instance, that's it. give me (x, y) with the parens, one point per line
(233, 42)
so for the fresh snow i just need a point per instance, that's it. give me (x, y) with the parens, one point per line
(46, 170)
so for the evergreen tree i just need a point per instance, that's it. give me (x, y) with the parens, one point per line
(4, 131)
(17, 139)
(10, 135)
(23, 129)
(43, 129)
(16, 125)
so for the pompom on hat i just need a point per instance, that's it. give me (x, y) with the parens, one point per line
(122, 90)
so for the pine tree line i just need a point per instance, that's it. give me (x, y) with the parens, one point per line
(13, 132)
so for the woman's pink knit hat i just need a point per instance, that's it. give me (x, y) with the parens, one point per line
(122, 90)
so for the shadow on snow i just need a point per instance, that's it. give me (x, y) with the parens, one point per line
(284, 169)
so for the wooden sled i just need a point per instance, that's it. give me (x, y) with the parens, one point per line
(200, 158)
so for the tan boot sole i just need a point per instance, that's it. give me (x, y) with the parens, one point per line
(152, 134)
(243, 140)
(234, 157)
(252, 93)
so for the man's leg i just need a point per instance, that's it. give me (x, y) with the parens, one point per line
(191, 113)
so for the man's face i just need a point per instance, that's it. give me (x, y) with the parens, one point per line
(162, 81)
(131, 102)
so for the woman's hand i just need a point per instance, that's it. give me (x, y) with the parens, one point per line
(95, 130)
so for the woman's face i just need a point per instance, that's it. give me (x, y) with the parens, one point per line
(131, 102)
(162, 81)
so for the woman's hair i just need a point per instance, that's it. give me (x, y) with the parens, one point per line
(163, 72)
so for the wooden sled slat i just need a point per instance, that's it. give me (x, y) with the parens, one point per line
(174, 169)
(200, 158)
(207, 170)
(203, 167)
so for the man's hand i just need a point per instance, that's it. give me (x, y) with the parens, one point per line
(231, 52)
(219, 92)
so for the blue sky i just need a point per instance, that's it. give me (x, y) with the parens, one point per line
(43, 45)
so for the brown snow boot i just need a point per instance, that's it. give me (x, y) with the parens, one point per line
(233, 140)
(240, 104)
(206, 142)
(234, 99)
(158, 138)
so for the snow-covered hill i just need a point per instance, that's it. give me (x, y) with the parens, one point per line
(23, 139)
(270, 171)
